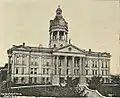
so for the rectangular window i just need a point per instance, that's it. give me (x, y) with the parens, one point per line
(74, 72)
(77, 71)
(47, 71)
(67, 71)
(86, 72)
(86, 64)
(74, 62)
(22, 72)
(31, 79)
(102, 64)
(18, 59)
(32, 61)
(106, 72)
(24, 59)
(47, 63)
(17, 71)
(107, 80)
(22, 79)
(35, 79)
(95, 72)
(60, 71)
(96, 64)
(31, 71)
(92, 72)
(43, 80)
(102, 72)
(47, 79)
(36, 63)
(35, 70)
(55, 71)
(93, 64)
(67, 62)
(59, 62)
(106, 64)
(15, 79)
(43, 70)
(103, 80)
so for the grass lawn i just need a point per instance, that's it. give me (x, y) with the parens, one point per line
(50, 91)
(105, 90)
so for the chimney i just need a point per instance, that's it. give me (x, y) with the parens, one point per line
(89, 50)
(23, 44)
(40, 46)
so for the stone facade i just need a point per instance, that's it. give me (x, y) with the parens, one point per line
(61, 59)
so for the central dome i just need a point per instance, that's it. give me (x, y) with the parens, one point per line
(58, 21)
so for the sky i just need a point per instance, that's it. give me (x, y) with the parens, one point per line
(93, 24)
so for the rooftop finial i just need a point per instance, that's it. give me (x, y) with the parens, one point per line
(58, 11)
(58, 6)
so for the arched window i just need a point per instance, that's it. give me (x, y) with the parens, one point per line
(61, 35)
(54, 35)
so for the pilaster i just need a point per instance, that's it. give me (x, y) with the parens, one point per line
(99, 67)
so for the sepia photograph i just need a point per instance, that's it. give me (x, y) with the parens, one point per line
(59, 48)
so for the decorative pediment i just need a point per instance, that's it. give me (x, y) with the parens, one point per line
(106, 54)
(70, 49)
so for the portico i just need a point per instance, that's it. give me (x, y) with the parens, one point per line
(69, 65)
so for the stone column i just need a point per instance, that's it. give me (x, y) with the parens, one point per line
(57, 35)
(72, 67)
(82, 80)
(57, 63)
(55, 80)
(65, 65)
(53, 67)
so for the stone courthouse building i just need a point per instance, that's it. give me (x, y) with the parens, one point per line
(54, 63)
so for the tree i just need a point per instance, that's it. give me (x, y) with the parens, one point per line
(71, 82)
(115, 79)
(95, 82)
